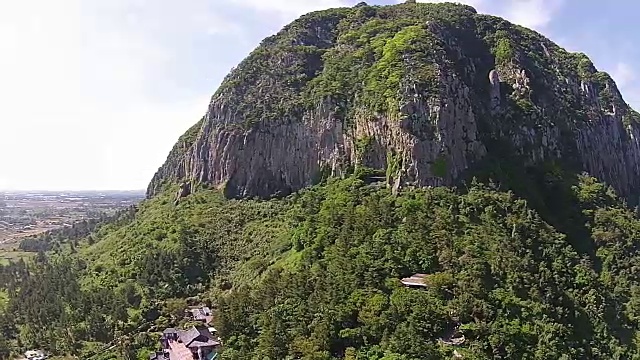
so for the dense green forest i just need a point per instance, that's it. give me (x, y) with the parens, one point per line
(52, 239)
(316, 275)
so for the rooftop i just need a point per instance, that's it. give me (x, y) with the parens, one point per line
(198, 337)
(200, 313)
(178, 351)
(188, 341)
(415, 280)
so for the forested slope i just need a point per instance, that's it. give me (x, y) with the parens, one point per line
(316, 275)
(517, 287)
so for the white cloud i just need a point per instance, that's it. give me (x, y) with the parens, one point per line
(568, 44)
(289, 8)
(80, 87)
(535, 14)
(626, 76)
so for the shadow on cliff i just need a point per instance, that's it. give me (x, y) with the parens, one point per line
(548, 188)
(560, 193)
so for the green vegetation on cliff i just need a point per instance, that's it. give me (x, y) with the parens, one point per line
(351, 58)
(367, 58)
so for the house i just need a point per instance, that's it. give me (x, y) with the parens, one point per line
(168, 335)
(35, 355)
(456, 339)
(199, 313)
(415, 281)
(198, 343)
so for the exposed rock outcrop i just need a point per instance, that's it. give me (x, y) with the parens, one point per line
(494, 80)
(425, 105)
(184, 191)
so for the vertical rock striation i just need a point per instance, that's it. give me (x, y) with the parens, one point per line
(420, 91)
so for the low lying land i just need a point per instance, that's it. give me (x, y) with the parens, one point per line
(25, 214)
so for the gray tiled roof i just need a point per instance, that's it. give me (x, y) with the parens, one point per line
(198, 336)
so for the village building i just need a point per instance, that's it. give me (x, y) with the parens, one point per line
(415, 281)
(170, 334)
(199, 313)
(198, 343)
(35, 355)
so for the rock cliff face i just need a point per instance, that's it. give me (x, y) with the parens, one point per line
(421, 91)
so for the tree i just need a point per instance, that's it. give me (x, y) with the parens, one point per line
(126, 349)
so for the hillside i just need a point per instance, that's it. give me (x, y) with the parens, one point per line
(355, 148)
(317, 275)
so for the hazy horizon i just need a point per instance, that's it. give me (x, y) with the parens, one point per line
(22, 191)
(96, 93)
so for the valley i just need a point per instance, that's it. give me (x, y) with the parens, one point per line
(30, 213)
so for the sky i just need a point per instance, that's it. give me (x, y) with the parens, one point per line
(93, 94)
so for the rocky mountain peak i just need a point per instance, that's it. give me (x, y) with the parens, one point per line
(424, 93)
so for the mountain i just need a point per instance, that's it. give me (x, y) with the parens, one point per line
(427, 93)
(355, 148)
